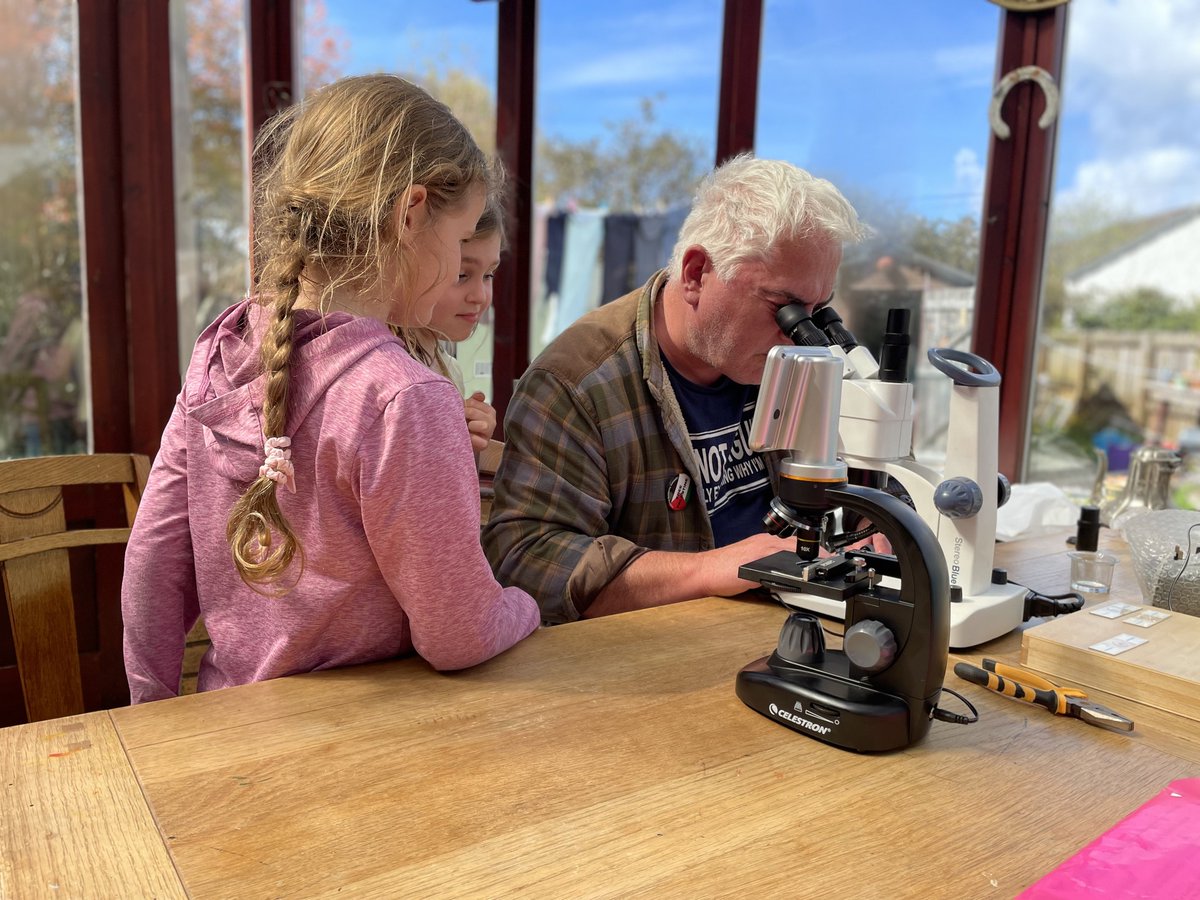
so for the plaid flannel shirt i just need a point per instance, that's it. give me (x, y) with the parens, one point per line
(594, 439)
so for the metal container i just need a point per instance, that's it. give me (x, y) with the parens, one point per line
(1148, 485)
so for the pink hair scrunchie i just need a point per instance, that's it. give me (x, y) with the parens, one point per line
(278, 464)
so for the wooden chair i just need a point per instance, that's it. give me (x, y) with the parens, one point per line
(489, 461)
(37, 579)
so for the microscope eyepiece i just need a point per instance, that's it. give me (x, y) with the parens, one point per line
(827, 319)
(795, 322)
(893, 355)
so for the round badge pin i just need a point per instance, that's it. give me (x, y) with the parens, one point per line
(678, 491)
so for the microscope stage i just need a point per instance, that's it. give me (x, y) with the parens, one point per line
(973, 620)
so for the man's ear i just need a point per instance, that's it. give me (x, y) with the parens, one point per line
(692, 269)
(413, 208)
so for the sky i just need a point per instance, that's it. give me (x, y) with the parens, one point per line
(888, 100)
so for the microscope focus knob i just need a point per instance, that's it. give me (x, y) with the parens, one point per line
(870, 645)
(801, 640)
(958, 498)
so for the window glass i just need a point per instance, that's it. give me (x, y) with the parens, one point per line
(43, 338)
(1118, 361)
(626, 109)
(889, 101)
(450, 49)
(208, 85)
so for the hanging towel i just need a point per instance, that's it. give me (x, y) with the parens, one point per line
(556, 225)
(579, 289)
(647, 246)
(619, 232)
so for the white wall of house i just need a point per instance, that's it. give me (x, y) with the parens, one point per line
(1169, 263)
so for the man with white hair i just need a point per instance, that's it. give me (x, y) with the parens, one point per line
(626, 481)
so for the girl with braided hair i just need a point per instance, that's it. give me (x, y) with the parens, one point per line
(314, 496)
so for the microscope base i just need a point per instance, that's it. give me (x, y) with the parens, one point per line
(848, 715)
(976, 619)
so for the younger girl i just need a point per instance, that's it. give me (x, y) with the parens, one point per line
(458, 314)
(314, 497)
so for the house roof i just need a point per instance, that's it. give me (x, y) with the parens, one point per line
(1144, 231)
(909, 271)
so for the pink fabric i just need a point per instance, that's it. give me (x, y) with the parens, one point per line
(1152, 852)
(386, 510)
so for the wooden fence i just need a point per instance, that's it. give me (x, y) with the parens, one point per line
(1155, 375)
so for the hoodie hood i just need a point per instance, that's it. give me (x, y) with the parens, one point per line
(223, 390)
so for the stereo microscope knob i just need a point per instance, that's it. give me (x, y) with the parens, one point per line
(870, 645)
(958, 498)
(1003, 489)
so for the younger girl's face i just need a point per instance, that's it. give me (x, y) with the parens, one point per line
(464, 303)
(437, 249)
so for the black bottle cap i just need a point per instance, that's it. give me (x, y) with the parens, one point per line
(1087, 533)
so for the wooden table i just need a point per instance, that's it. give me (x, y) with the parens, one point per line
(605, 758)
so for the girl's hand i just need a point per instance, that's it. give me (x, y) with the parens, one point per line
(481, 421)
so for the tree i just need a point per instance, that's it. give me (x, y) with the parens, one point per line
(637, 166)
(896, 232)
(640, 166)
(954, 243)
(466, 94)
(39, 238)
(325, 46)
(39, 231)
(214, 180)
(1146, 309)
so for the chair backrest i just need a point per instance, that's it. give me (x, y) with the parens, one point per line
(489, 461)
(37, 578)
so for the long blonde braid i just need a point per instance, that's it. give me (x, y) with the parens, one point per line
(261, 539)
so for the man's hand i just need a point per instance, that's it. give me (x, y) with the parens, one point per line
(722, 564)
(660, 577)
(481, 421)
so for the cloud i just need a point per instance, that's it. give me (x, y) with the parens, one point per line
(964, 65)
(663, 63)
(969, 175)
(657, 19)
(1131, 97)
(972, 64)
(1155, 179)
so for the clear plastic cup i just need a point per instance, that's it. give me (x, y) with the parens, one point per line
(1091, 571)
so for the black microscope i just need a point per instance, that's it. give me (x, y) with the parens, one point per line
(878, 692)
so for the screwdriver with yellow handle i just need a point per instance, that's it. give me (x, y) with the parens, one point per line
(1021, 684)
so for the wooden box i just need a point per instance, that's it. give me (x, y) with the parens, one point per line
(1163, 673)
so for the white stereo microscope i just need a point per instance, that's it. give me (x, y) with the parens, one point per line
(958, 503)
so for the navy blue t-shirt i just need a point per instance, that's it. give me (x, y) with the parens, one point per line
(736, 486)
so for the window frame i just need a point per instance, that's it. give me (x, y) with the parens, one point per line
(130, 269)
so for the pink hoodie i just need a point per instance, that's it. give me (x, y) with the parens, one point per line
(386, 509)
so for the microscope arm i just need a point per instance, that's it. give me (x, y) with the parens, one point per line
(921, 662)
(960, 502)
